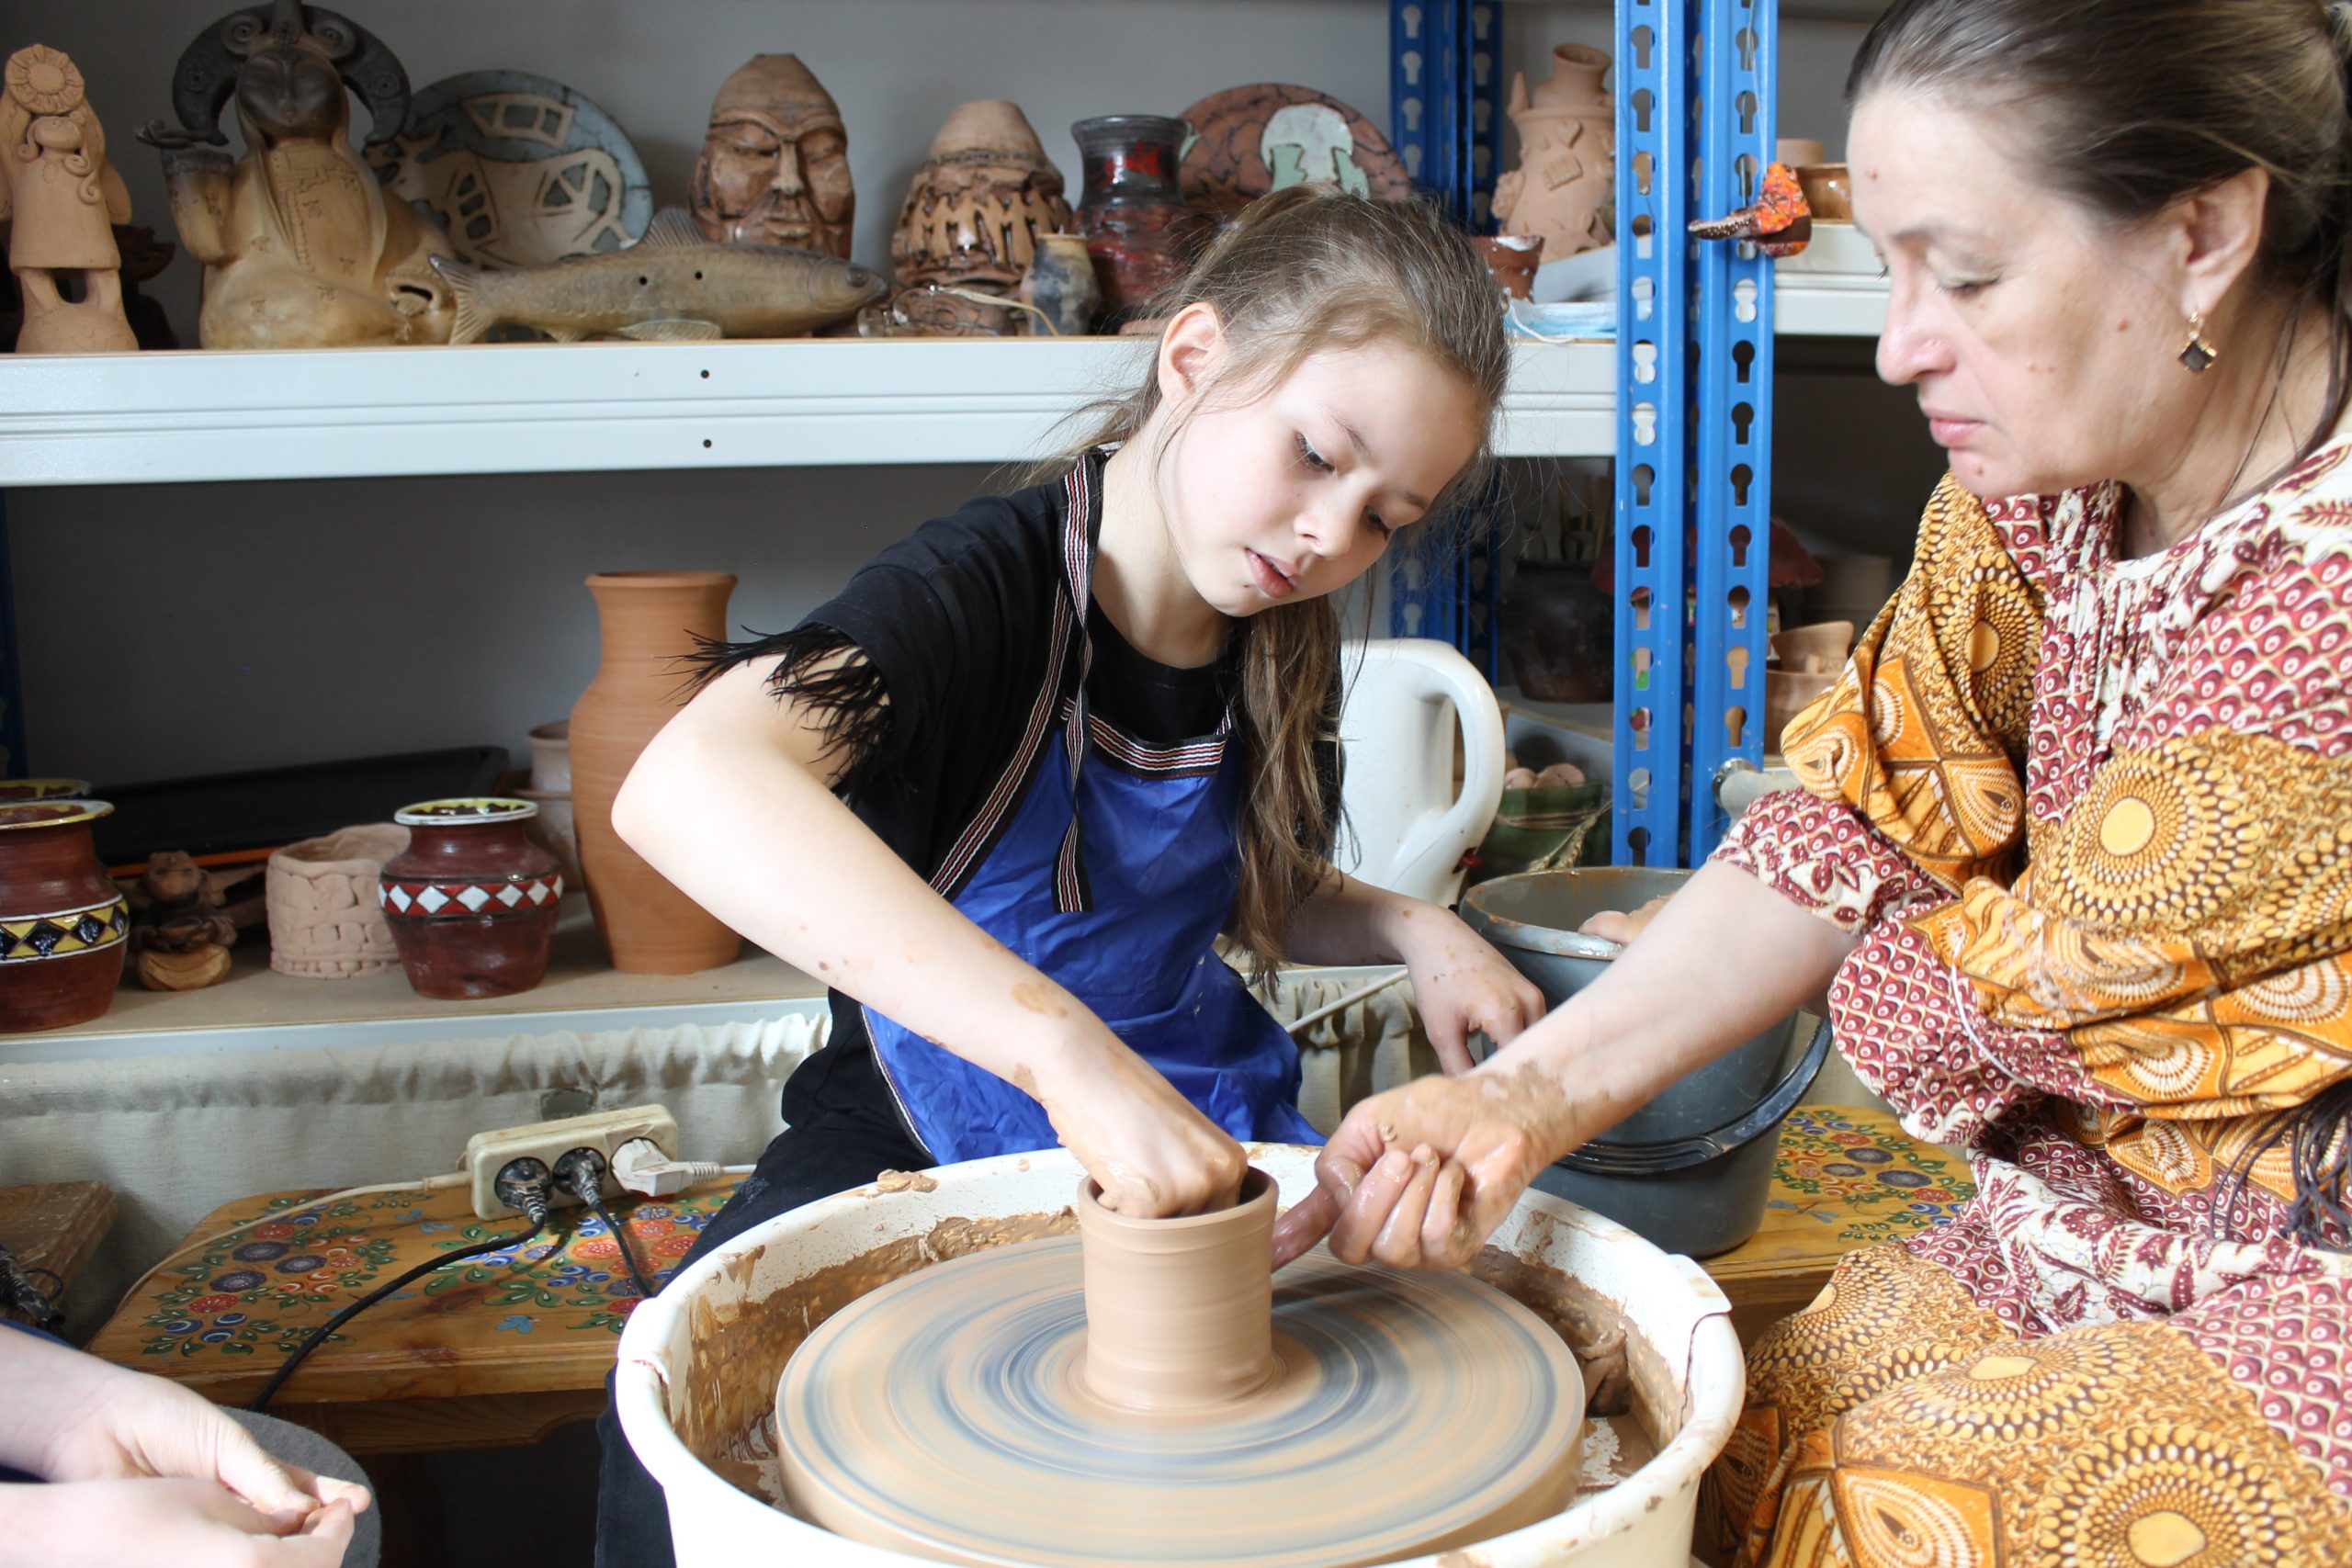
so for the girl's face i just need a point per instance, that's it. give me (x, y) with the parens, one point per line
(2042, 341)
(1296, 494)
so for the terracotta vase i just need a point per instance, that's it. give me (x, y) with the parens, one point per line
(63, 925)
(649, 621)
(1138, 229)
(1565, 186)
(471, 901)
(1060, 282)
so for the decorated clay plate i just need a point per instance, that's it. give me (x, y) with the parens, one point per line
(1249, 141)
(518, 170)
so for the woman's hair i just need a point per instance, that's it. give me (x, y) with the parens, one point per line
(2125, 107)
(1302, 271)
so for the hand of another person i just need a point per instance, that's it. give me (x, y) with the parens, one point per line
(1151, 1151)
(184, 1522)
(1621, 927)
(1419, 1176)
(1461, 984)
(122, 1424)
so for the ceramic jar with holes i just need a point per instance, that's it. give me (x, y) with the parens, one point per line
(63, 925)
(471, 901)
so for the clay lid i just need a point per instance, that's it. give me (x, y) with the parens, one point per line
(465, 811)
(989, 125)
(51, 813)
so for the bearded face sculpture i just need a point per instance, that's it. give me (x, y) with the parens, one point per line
(774, 163)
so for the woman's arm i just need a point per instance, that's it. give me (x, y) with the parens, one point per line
(1460, 983)
(733, 803)
(1419, 1176)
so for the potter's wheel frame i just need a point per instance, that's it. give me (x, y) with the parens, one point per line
(946, 1415)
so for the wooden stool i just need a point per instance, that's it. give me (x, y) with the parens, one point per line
(54, 1229)
(497, 1350)
(1846, 1178)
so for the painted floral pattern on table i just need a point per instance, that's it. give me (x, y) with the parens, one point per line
(1863, 1177)
(265, 1288)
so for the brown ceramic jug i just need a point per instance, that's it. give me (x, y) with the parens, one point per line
(471, 901)
(1140, 232)
(63, 925)
(649, 621)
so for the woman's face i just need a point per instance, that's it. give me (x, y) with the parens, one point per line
(2042, 342)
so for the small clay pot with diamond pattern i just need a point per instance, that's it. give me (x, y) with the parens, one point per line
(471, 901)
(63, 925)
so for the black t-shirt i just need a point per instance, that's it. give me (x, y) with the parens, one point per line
(955, 624)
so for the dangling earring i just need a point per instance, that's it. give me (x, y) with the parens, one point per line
(2198, 354)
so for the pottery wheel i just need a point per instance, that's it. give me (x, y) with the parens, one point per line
(947, 1415)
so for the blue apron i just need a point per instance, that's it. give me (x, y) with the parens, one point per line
(1108, 865)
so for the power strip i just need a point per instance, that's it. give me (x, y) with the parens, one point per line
(605, 1131)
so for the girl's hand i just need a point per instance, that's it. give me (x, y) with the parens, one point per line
(127, 1425)
(1418, 1176)
(1153, 1155)
(186, 1523)
(1461, 983)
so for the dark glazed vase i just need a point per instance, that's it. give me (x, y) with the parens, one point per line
(64, 926)
(471, 901)
(1142, 235)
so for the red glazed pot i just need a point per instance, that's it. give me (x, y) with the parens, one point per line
(1138, 229)
(63, 925)
(471, 901)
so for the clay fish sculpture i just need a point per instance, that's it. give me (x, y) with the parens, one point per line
(674, 285)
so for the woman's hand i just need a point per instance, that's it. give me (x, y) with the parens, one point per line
(186, 1523)
(1460, 983)
(1622, 927)
(1419, 1176)
(1152, 1154)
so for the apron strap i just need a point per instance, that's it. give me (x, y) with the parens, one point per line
(1072, 896)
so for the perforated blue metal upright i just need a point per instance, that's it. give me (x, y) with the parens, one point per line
(1443, 115)
(1694, 369)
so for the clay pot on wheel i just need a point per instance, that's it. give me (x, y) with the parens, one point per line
(64, 926)
(649, 621)
(471, 901)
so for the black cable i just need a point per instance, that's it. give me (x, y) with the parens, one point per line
(580, 1172)
(518, 1185)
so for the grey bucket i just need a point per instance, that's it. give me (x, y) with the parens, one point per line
(1689, 1170)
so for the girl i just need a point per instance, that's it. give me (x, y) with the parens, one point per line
(1005, 791)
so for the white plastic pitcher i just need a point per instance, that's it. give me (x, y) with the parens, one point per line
(1406, 826)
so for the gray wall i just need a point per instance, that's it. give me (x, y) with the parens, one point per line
(182, 629)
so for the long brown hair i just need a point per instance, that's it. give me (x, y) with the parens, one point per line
(2125, 107)
(1300, 272)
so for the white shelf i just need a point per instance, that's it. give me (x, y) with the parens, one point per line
(1828, 304)
(541, 408)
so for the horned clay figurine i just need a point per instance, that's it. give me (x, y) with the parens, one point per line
(61, 200)
(979, 202)
(774, 163)
(302, 247)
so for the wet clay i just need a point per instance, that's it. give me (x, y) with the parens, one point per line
(1156, 1396)
(1180, 1314)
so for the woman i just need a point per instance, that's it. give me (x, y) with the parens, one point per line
(2075, 846)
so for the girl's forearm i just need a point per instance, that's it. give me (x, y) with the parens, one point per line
(742, 827)
(1721, 960)
(1347, 921)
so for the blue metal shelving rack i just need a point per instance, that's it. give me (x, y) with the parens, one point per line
(1695, 87)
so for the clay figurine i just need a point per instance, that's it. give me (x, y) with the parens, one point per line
(181, 937)
(1565, 186)
(302, 247)
(1060, 286)
(775, 163)
(674, 285)
(61, 198)
(978, 205)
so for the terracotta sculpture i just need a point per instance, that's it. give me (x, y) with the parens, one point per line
(774, 163)
(301, 245)
(977, 208)
(61, 198)
(326, 916)
(177, 927)
(1565, 186)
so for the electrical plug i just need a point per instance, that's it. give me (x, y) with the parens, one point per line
(526, 1186)
(580, 1172)
(641, 1167)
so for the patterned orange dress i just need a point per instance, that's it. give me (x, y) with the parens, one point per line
(2092, 821)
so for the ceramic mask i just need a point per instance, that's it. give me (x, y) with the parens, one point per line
(774, 163)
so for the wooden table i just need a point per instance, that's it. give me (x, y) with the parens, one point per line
(500, 1349)
(1845, 1177)
(504, 1349)
(54, 1229)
